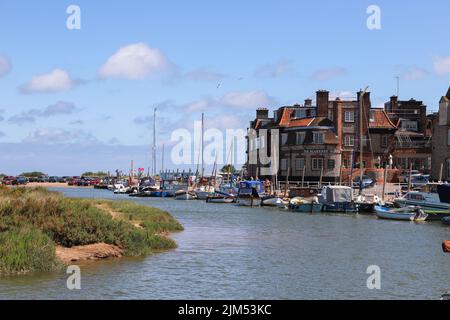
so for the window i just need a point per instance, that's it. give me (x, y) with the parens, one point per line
(316, 163)
(409, 125)
(318, 137)
(349, 141)
(349, 116)
(283, 164)
(299, 163)
(330, 114)
(300, 137)
(448, 169)
(300, 113)
(384, 141)
(331, 164)
(372, 116)
(284, 138)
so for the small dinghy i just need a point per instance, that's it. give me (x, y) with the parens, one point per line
(306, 205)
(185, 195)
(405, 214)
(273, 201)
(220, 197)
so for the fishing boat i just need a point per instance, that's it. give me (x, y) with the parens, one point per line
(185, 195)
(250, 193)
(203, 192)
(434, 196)
(306, 205)
(406, 214)
(366, 203)
(220, 197)
(338, 199)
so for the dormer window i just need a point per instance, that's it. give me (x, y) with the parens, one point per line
(318, 137)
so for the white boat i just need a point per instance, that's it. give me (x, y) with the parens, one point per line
(202, 194)
(434, 197)
(120, 188)
(405, 214)
(220, 197)
(249, 201)
(250, 193)
(185, 195)
(273, 201)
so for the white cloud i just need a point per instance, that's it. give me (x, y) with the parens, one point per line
(55, 135)
(281, 68)
(135, 61)
(327, 74)
(414, 73)
(246, 99)
(5, 66)
(203, 74)
(442, 65)
(56, 81)
(199, 105)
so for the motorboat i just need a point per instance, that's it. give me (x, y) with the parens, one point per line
(273, 201)
(119, 188)
(366, 203)
(220, 197)
(338, 199)
(250, 193)
(434, 196)
(412, 213)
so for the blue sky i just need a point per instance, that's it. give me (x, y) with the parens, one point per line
(221, 58)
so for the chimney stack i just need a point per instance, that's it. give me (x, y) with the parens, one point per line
(262, 113)
(322, 99)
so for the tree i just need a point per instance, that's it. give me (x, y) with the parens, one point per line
(228, 169)
(34, 174)
(94, 174)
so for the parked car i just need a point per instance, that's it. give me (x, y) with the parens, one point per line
(43, 179)
(53, 179)
(8, 180)
(366, 181)
(73, 181)
(20, 181)
(403, 176)
(64, 179)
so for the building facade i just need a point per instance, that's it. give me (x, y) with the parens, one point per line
(441, 140)
(315, 142)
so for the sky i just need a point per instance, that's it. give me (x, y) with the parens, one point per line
(75, 100)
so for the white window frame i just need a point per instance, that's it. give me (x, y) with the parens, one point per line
(349, 141)
(316, 140)
(299, 140)
(299, 163)
(284, 138)
(349, 116)
(410, 125)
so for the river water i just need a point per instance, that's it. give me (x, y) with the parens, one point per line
(231, 252)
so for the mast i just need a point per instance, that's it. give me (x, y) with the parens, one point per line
(154, 143)
(202, 143)
(162, 160)
(361, 144)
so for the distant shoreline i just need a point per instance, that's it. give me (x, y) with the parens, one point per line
(51, 185)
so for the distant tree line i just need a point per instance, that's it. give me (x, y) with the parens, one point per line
(95, 174)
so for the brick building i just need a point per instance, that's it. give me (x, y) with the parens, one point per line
(318, 140)
(441, 140)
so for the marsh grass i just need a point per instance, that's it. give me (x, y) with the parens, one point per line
(33, 221)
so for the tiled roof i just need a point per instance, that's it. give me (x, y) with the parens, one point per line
(286, 120)
(381, 120)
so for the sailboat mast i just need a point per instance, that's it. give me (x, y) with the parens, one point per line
(154, 143)
(202, 139)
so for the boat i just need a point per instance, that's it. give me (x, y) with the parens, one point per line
(220, 197)
(203, 192)
(434, 196)
(273, 201)
(366, 203)
(406, 213)
(338, 199)
(306, 205)
(250, 193)
(185, 195)
(121, 189)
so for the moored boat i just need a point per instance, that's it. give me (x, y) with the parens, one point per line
(305, 205)
(220, 197)
(185, 195)
(434, 196)
(250, 193)
(405, 214)
(338, 199)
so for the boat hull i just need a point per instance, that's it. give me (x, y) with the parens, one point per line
(402, 203)
(340, 207)
(307, 207)
(385, 213)
(249, 201)
(219, 200)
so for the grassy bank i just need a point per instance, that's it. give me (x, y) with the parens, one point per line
(34, 221)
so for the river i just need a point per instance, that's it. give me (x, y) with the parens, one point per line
(231, 252)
